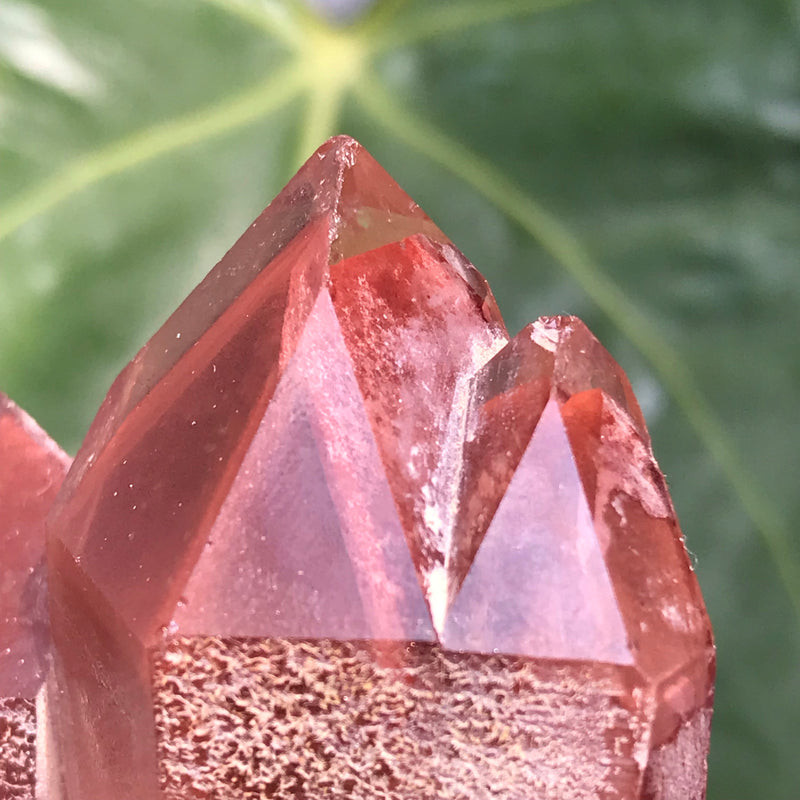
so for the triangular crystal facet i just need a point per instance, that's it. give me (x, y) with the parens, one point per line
(538, 585)
(308, 542)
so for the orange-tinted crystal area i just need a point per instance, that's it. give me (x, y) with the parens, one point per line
(32, 468)
(334, 533)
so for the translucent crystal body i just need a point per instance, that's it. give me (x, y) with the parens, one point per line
(334, 534)
(32, 468)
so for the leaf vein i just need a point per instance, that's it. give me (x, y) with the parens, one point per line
(437, 22)
(146, 145)
(270, 17)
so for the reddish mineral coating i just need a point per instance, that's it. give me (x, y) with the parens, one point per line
(332, 458)
(32, 468)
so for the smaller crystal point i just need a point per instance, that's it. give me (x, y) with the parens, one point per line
(538, 585)
(32, 468)
(582, 363)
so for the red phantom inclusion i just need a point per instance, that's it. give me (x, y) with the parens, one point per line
(334, 534)
(32, 468)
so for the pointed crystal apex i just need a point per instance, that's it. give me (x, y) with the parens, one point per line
(582, 363)
(371, 210)
(340, 202)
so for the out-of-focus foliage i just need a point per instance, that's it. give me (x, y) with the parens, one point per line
(634, 162)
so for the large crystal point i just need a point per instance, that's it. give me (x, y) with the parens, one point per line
(334, 534)
(32, 468)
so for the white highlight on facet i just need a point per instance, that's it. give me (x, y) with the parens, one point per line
(438, 591)
(45, 744)
(546, 338)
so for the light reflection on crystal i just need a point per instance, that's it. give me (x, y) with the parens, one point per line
(343, 499)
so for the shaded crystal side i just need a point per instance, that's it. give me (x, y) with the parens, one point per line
(658, 594)
(389, 721)
(175, 455)
(665, 616)
(99, 700)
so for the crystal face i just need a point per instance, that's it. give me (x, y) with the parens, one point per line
(32, 469)
(334, 533)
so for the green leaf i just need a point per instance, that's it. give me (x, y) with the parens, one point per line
(635, 163)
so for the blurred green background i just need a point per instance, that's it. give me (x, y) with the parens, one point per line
(635, 163)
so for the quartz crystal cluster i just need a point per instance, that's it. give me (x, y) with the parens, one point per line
(335, 534)
(32, 468)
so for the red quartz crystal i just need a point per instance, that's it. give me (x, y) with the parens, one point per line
(32, 468)
(334, 534)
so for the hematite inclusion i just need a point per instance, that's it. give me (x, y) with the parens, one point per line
(322, 718)
(334, 534)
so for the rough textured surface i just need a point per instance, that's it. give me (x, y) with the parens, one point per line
(677, 770)
(17, 749)
(301, 719)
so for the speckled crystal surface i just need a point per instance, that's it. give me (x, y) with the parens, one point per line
(32, 468)
(335, 534)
